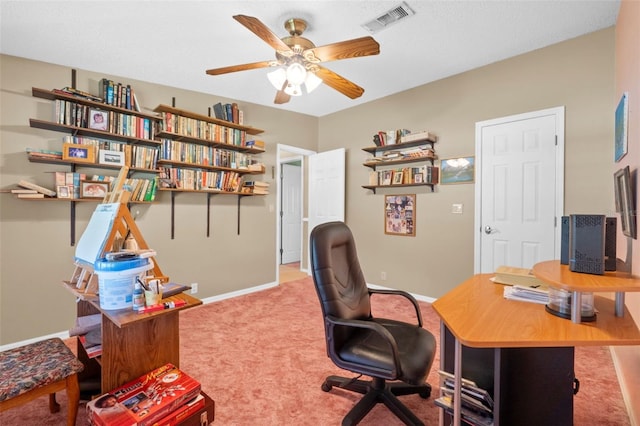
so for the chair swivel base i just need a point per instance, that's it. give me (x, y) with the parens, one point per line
(377, 391)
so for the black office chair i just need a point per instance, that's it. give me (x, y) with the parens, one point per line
(384, 349)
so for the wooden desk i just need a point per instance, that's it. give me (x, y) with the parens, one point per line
(560, 276)
(132, 343)
(512, 335)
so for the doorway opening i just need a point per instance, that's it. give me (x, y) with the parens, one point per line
(291, 218)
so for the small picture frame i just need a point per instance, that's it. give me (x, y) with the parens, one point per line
(64, 191)
(418, 178)
(399, 215)
(457, 170)
(78, 153)
(93, 189)
(111, 158)
(621, 127)
(398, 176)
(98, 119)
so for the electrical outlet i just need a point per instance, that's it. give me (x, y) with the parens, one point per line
(194, 288)
(383, 276)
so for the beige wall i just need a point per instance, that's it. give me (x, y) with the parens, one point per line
(35, 250)
(627, 79)
(577, 74)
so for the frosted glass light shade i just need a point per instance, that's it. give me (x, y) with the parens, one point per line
(277, 78)
(296, 74)
(312, 82)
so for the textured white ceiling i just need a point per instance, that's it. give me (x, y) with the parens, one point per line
(174, 42)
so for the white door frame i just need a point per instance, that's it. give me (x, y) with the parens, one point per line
(558, 112)
(299, 153)
(295, 159)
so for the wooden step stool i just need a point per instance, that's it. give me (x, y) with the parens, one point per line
(38, 369)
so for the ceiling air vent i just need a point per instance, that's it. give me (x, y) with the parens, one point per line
(390, 17)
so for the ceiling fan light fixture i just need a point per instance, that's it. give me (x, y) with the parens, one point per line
(312, 82)
(296, 74)
(293, 90)
(277, 78)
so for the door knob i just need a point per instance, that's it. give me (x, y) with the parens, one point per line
(488, 230)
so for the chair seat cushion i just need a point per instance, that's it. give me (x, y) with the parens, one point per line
(37, 364)
(369, 350)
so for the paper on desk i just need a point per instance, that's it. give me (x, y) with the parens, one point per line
(527, 294)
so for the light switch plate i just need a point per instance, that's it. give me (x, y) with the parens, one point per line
(456, 208)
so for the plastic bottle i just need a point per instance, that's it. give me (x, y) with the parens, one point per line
(138, 297)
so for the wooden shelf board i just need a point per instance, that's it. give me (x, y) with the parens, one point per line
(82, 131)
(189, 114)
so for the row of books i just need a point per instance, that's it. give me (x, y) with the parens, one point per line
(141, 189)
(476, 403)
(204, 155)
(200, 180)
(408, 175)
(200, 129)
(117, 94)
(399, 136)
(228, 112)
(79, 115)
(139, 156)
(423, 151)
(165, 396)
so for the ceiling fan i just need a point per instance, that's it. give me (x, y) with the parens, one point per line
(298, 60)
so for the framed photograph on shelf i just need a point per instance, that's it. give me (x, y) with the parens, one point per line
(111, 158)
(457, 170)
(621, 120)
(93, 189)
(64, 191)
(98, 119)
(399, 215)
(417, 178)
(78, 153)
(398, 177)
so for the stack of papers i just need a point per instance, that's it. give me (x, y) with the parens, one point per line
(527, 294)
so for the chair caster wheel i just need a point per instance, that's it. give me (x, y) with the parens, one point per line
(425, 394)
(325, 387)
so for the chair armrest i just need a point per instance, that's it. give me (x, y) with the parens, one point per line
(386, 335)
(403, 294)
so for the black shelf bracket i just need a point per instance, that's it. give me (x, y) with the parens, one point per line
(173, 215)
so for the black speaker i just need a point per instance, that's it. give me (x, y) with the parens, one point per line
(564, 241)
(610, 244)
(586, 243)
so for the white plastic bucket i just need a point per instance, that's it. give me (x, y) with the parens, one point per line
(115, 287)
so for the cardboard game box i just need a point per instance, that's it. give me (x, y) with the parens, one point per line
(145, 400)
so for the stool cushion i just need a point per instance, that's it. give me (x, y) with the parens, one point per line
(37, 364)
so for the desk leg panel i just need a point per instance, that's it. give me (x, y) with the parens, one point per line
(535, 386)
(134, 350)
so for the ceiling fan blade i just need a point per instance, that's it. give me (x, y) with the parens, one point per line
(339, 83)
(364, 46)
(243, 67)
(281, 96)
(258, 28)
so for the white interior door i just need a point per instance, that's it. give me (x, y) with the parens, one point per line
(326, 187)
(291, 212)
(519, 190)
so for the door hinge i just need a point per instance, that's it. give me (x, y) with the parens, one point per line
(556, 136)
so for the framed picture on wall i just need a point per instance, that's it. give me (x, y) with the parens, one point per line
(622, 117)
(399, 215)
(457, 170)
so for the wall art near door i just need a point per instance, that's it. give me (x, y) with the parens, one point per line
(457, 170)
(399, 215)
(622, 116)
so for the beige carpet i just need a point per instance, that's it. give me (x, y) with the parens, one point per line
(262, 358)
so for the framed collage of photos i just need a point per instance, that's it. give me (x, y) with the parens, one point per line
(399, 215)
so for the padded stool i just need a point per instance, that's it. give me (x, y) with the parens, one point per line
(37, 369)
